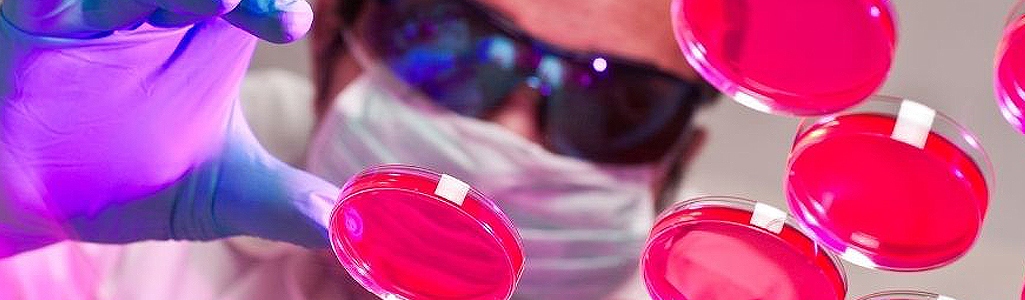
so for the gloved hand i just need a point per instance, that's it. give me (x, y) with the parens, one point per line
(276, 21)
(119, 122)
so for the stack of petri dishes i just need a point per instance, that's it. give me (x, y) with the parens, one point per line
(880, 182)
(727, 248)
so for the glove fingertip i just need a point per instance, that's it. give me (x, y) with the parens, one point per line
(279, 25)
(296, 22)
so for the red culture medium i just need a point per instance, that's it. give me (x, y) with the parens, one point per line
(396, 233)
(795, 57)
(708, 249)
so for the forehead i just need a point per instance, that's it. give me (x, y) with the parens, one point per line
(637, 29)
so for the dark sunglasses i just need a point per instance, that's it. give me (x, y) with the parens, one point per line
(594, 106)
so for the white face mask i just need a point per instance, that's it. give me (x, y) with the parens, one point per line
(583, 226)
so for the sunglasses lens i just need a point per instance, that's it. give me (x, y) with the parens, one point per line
(598, 110)
(448, 52)
(634, 118)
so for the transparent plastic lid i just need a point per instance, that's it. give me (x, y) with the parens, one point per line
(794, 57)
(410, 233)
(725, 248)
(1009, 68)
(905, 295)
(889, 184)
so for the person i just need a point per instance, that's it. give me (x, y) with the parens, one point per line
(575, 133)
(121, 121)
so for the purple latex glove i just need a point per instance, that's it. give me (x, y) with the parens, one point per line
(120, 122)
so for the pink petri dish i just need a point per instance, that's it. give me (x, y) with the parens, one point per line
(797, 57)
(725, 248)
(1009, 80)
(890, 184)
(905, 295)
(409, 233)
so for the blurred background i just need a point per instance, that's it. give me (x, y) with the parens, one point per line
(944, 60)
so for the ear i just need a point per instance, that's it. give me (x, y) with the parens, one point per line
(326, 26)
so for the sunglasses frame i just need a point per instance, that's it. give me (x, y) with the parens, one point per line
(703, 92)
(502, 22)
(505, 24)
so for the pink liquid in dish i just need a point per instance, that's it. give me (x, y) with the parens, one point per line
(800, 57)
(394, 235)
(712, 253)
(905, 208)
(1010, 74)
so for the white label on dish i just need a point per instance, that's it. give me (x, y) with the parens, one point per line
(853, 256)
(914, 122)
(452, 189)
(768, 217)
(942, 297)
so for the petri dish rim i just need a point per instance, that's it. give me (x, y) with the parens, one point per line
(361, 272)
(943, 125)
(694, 53)
(1012, 116)
(947, 128)
(1016, 11)
(739, 203)
(903, 294)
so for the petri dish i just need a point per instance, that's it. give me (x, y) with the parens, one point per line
(720, 248)
(905, 295)
(890, 184)
(409, 233)
(797, 57)
(1009, 69)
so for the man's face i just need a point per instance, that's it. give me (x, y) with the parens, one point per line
(636, 29)
(639, 30)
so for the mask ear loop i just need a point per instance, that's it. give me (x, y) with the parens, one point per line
(671, 167)
(328, 57)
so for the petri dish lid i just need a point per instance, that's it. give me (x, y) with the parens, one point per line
(905, 295)
(720, 248)
(889, 184)
(1009, 68)
(409, 233)
(804, 57)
